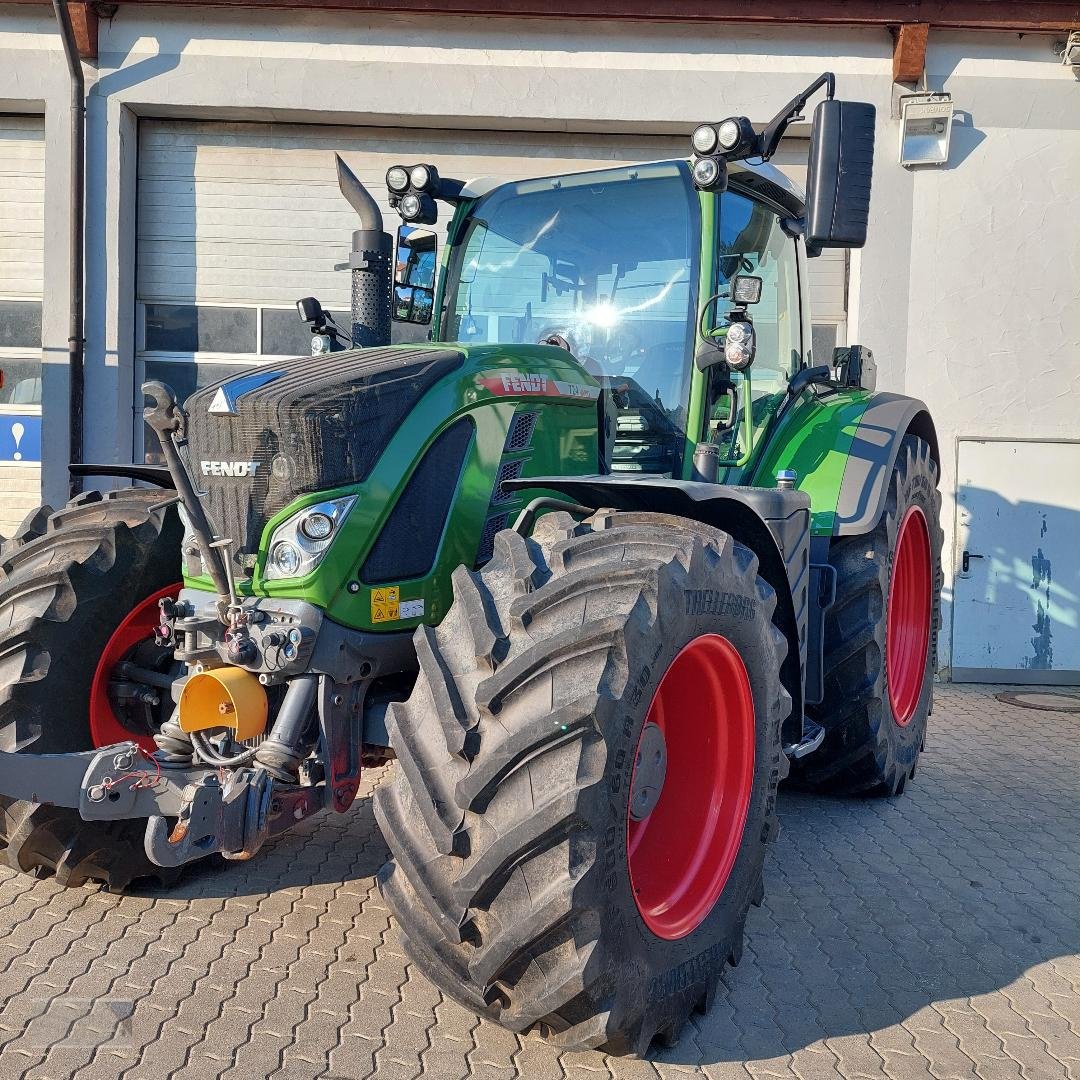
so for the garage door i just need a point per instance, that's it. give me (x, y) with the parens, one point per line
(236, 221)
(22, 208)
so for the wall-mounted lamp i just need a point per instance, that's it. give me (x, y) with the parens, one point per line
(1070, 55)
(925, 128)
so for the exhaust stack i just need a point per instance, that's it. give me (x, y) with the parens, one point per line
(370, 261)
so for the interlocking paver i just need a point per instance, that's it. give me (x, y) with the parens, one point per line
(935, 936)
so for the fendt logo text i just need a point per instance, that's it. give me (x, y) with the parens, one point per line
(229, 468)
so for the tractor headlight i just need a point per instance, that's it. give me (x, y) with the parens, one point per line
(397, 179)
(420, 177)
(704, 139)
(300, 543)
(739, 345)
(410, 206)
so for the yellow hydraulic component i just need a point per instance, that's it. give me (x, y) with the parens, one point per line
(224, 697)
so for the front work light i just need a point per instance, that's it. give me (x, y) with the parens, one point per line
(424, 178)
(710, 173)
(736, 136)
(397, 179)
(704, 139)
(745, 289)
(739, 345)
(418, 208)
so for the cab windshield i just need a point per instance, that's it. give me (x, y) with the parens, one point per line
(604, 263)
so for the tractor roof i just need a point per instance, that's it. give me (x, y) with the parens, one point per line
(762, 179)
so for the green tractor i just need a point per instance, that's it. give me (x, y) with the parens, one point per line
(599, 562)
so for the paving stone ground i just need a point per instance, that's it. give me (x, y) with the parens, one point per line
(935, 935)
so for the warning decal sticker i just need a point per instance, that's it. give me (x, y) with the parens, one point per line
(385, 605)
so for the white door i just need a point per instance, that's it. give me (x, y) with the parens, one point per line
(1016, 595)
(22, 211)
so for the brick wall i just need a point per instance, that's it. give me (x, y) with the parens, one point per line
(20, 492)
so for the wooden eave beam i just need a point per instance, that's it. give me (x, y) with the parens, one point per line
(1019, 16)
(909, 52)
(84, 23)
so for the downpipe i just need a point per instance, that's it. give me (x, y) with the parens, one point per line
(76, 273)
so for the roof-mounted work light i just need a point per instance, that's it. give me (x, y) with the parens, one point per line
(414, 189)
(418, 208)
(735, 139)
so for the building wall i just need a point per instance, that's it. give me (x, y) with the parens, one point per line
(966, 290)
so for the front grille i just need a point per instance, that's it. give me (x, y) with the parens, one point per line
(519, 437)
(409, 541)
(320, 423)
(508, 470)
(492, 526)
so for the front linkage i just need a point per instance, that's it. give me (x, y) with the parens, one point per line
(215, 783)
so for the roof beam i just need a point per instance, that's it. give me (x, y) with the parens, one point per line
(1018, 16)
(909, 52)
(84, 24)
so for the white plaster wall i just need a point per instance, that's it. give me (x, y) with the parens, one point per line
(956, 256)
(994, 328)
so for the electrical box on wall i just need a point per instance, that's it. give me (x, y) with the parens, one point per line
(925, 128)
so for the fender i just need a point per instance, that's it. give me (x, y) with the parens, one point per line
(882, 427)
(843, 445)
(158, 475)
(774, 524)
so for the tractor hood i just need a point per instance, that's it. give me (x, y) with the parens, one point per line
(261, 439)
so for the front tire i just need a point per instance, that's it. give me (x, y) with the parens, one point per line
(881, 640)
(517, 875)
(67, 582)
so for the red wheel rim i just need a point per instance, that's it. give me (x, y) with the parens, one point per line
(682, 853)
(907, 627)
(138, 626)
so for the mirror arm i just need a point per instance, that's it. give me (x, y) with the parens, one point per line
(770, 138)
(793, 227)
(807, 375)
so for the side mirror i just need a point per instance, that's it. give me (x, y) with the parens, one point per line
(838, 182)
(415, 267)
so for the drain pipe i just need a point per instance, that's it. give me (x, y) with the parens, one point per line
(76, 340)
(370, 262)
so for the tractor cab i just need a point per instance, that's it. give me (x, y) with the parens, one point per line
(678, 285)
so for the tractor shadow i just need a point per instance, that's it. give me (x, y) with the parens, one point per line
(876, 909)
(327, 849)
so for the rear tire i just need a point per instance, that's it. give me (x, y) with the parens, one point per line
(874, 718)
(67, 581)
(508, 819)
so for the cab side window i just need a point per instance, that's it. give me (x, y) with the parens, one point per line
(752, 242)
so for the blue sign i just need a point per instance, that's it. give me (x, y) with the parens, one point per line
(20, 438)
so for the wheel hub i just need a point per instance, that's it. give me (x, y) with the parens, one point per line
(690, 789)
(907, 627)
(110, 720)
(650, 769)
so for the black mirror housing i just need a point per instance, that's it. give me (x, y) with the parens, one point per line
(840, 169)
